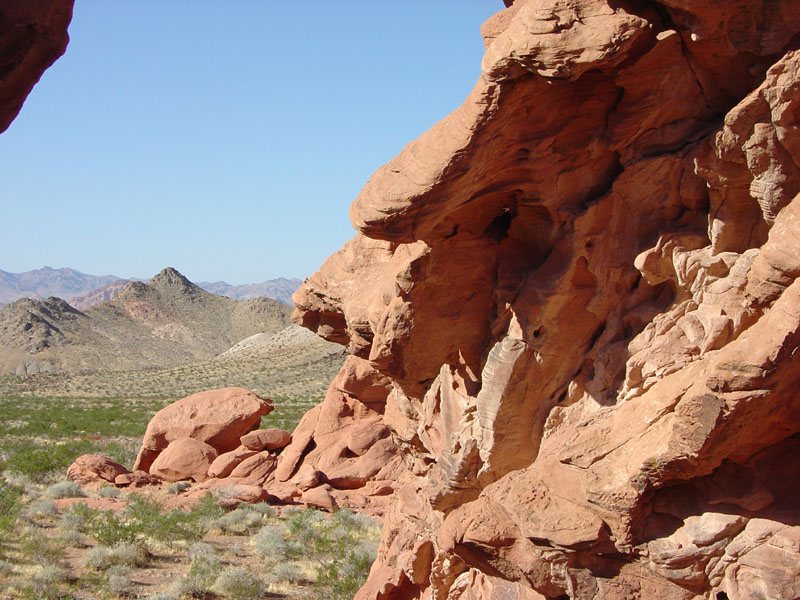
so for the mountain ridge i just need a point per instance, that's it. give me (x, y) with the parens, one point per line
(82, 290)
(164, 322)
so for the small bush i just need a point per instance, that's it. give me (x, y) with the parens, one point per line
(40, 548)
(51, 574)
(270, 545)
(179, 487)
(201, 550)
(73, 538)
(118, 580)
(200, 578)
(124, 554)
(43, 508)
(240, 521)
(98, 558)
(79, 516)
(108, 491)
(265, 509)
(64, 489)
(239, 584)
(287, 572)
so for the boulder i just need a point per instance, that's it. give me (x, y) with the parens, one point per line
(319, 497)
(266, 439)
(184, 458)
(91, 468)
(216, 417)
(255, 470)
(135, 479)
(225, 463)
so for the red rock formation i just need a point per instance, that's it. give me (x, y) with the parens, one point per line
(33, 34)
(573, 304)
(218, 418)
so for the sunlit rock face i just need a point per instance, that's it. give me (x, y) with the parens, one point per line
(573, 305)
(33, 34)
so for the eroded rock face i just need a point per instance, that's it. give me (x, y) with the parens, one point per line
(33, 34)
(573, 306)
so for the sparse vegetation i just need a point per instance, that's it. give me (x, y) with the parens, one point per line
(52, 550)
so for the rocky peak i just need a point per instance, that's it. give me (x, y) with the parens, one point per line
(170, 278)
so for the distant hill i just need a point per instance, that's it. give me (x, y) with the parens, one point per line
(279, 289)
(165, 322)
(82, 290)
(46, 282)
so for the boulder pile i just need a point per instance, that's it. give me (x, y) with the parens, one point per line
(212, 439)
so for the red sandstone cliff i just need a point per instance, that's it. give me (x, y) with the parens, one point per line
(573, 316)
(33, 34)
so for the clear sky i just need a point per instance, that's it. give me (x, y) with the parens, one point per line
(226, 139)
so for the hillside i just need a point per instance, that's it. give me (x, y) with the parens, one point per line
(165, 322)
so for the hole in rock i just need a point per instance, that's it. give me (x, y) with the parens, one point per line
(721, 596)
(498, 228)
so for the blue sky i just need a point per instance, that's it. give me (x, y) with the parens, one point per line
(226, 139)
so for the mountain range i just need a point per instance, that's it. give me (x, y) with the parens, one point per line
(164, 322)
(81, 290)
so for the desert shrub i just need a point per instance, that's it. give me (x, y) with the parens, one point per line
(10, 506)
(161, 596)
(240, 521)
(98, 558)
(239, 584)
(39, 548)
(198, 581)
(178, 487)
(108, 491)
(265, 509)
(270, 545)
(123, 554)
(286, 571)
(72, 538)
(118, 580)
(201, 550)
(64, 489)
(51, 574)
(334, 545)
(43, 508)
(79, 516)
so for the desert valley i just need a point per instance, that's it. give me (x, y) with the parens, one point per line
(558, 360)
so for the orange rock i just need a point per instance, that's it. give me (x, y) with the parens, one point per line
(573, 303)
(216, 417)
(184, 458)
(266, 439)
(256, 469)
(225, 463)
(134, 479)
(93, 467)
(319, 497)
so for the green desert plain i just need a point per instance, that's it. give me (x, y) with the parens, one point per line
(55, 547)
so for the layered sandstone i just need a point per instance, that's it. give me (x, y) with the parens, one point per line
(572, 308)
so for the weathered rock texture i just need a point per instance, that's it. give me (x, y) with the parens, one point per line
(217, 418)
(572, 307)
(33, 34)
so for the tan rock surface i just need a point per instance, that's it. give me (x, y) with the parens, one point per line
(184, 458)
(90, 468)
(216, 417)
(266, 439)
(573, 306)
